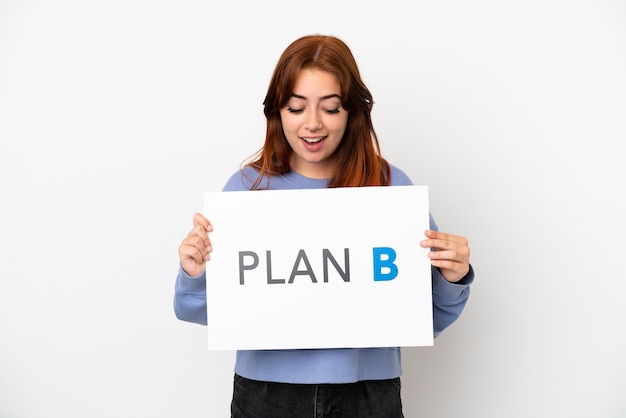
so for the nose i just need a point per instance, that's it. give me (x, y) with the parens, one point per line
(313, 122)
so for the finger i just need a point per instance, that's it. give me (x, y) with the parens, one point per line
(457, 256)
(436, 244)
(190, 252)
(205, 254)
(447, 264)
(442, 240)
(444, 236)
(451, 271)
(200, 220)
(196, 248)
(197, 240)
(199, 231)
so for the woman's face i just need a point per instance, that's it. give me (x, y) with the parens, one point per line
(314, 123)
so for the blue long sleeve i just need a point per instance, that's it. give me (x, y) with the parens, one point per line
(190, 298)
(449, 299)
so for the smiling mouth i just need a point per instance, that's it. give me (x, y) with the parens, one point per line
(314, 140)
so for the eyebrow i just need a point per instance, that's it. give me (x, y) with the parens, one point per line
(329, 96)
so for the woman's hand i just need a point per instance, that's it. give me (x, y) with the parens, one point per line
(195, 250)
(450, 253)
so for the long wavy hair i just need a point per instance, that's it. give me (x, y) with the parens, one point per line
(358, 155)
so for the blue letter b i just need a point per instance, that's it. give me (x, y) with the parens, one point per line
(381, 263)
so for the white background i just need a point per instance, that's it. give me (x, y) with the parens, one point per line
(116, 116)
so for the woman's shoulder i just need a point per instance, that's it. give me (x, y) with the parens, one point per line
(242, 179)
(398, 177)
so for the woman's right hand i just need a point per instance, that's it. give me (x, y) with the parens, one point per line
(195, 250)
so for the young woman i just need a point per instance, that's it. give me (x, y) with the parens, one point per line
(320, 134)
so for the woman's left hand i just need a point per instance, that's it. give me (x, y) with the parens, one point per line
(450, 253)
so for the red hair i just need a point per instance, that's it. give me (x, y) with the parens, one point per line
(359, 162)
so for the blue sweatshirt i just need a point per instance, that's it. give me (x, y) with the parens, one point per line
(318, 365)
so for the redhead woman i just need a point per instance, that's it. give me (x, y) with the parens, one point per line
(320, 134)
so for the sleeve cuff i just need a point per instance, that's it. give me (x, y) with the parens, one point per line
(191, 284)
(451, 291)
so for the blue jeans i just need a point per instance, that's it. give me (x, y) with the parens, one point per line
(365, 399)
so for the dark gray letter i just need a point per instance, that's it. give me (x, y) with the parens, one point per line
(345, 274)
(242, 267)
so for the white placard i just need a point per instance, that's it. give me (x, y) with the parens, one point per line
(319, 268)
